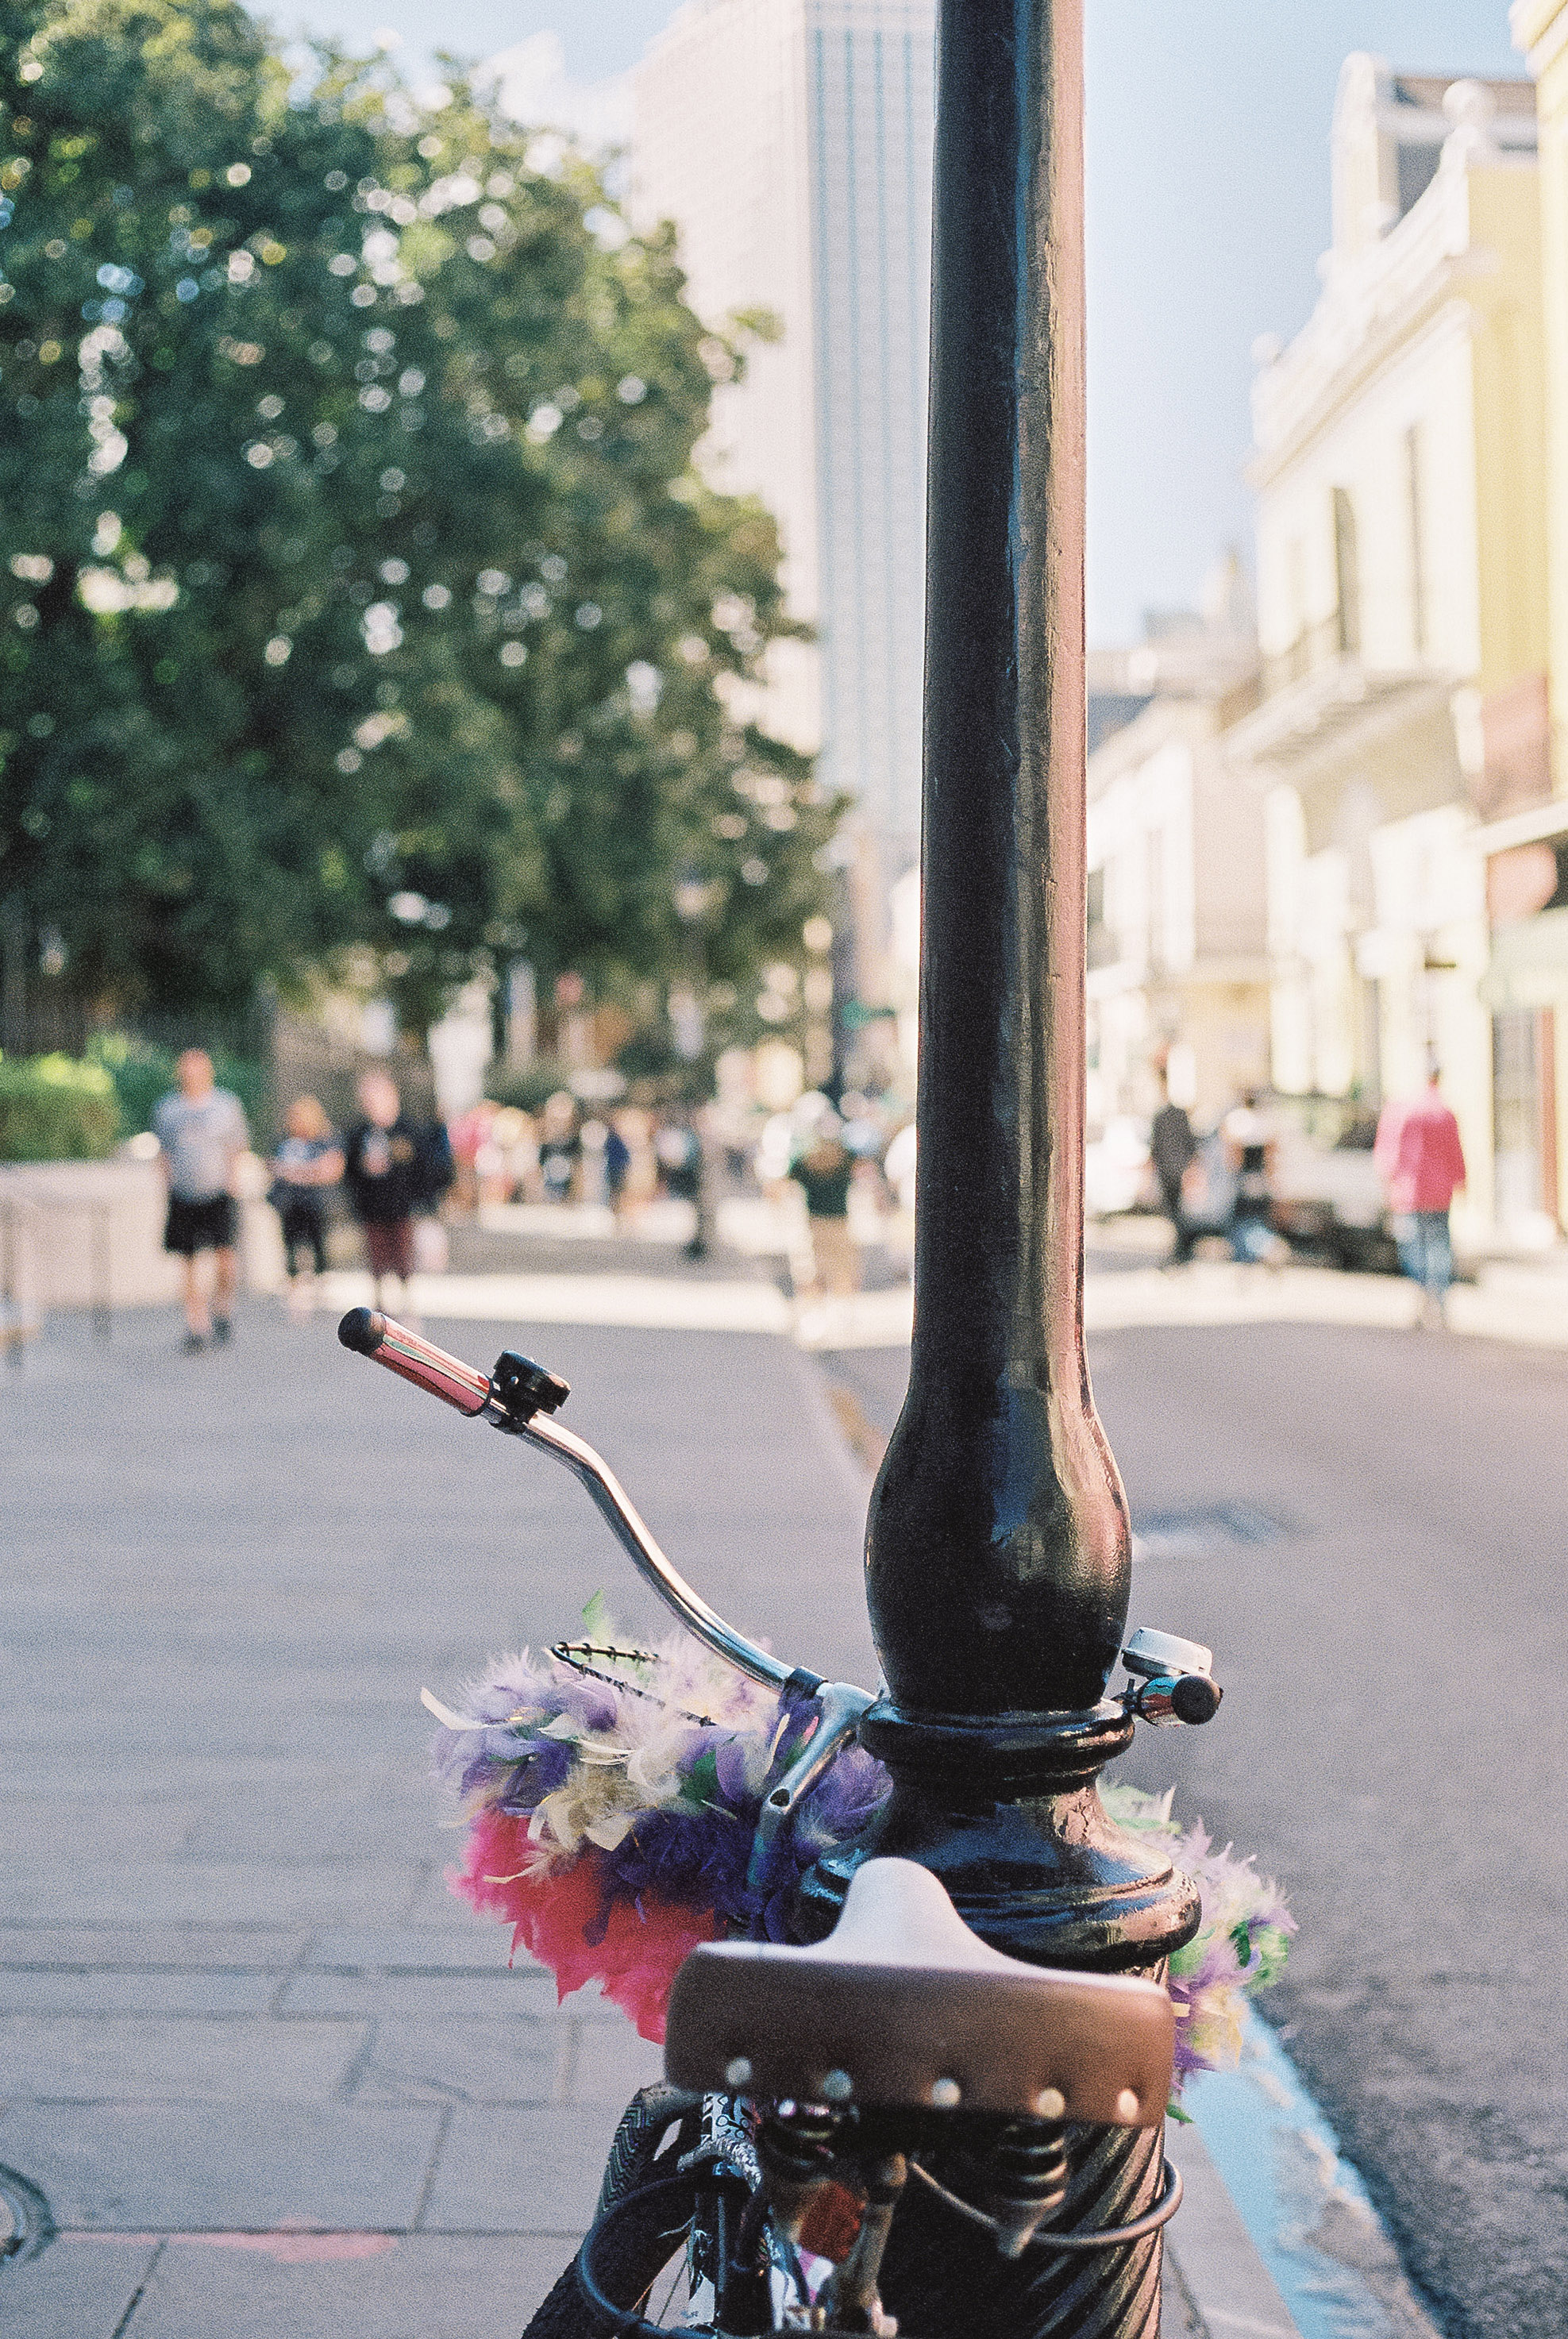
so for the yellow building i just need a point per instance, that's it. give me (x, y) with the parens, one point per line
(1400, 466)
(1527, 866)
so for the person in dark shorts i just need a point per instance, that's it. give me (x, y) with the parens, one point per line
(308, 1163)
(386, 1177)
(201, 1131)
(824, 1171)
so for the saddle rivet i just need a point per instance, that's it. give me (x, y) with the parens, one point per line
(737, 2071)
(1127, 2104)
(946, 2095)
(1051, 2103)
(837, 2087)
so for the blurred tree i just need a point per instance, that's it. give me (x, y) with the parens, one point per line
(362, 590)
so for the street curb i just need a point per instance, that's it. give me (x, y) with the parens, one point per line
(1217, 2260)
(1268, 2159)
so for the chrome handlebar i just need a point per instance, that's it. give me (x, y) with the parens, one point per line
(520, 1397)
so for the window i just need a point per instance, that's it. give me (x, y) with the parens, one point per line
(1346, 574)
(1413, 483)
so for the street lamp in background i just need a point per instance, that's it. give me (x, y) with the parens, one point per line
(688, 1021)
(817, 1000)
(688, 1027)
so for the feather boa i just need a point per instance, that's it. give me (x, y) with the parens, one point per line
(612, 1816)
(1242, 1941)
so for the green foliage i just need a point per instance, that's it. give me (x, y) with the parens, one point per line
(142, 1073)
(528, 1089)
(361, 589)
(54, 1109)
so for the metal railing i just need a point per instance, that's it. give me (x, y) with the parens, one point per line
(22, 1219)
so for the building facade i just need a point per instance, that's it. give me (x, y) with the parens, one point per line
(1527, 861)
(790, 141)
(1400, 470)
(1177, 960)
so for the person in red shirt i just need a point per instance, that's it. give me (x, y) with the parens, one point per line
(1421, 1162)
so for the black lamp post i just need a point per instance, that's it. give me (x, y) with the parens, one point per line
(998, 1558)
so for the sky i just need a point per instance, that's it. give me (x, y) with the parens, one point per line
(1209, 127)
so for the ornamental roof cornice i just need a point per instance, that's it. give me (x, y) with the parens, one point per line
(1540, 29)
(1371, 305)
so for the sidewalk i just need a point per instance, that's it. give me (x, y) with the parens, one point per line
(267, 2073)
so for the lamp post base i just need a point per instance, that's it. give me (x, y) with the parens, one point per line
(1006, 1812)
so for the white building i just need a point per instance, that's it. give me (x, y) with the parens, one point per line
(1399, 464)
(790, 141)
(1177, 964)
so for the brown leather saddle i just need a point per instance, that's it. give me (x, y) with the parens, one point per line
(903, 2006)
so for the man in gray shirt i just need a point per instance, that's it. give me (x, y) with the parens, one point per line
(201, 1131)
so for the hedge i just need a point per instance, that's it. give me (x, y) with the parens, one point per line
(54, 1109)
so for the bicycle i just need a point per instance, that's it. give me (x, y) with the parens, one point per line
(946, 2106)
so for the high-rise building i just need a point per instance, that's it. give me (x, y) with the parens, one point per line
(790, 141)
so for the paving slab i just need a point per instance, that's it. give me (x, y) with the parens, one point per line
(205, 1893)
(417, 2286)
(1215, 2256)
(522, 1996)
(511, 2059)
(608, 2062)
(89, 1946)
(152, 2058)
(50, 1990)
(81, 2287)
(520, 2171)
(157, 2168)
(473, 1947)
(47, 1826)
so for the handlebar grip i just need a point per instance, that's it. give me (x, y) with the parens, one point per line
(389, 1343)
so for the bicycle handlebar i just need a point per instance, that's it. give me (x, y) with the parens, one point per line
(517, 1398)
(386, 1342)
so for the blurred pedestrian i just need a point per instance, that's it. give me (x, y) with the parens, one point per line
(823, 1170)
(386, 1177)
(308, 1163)
(560, 1148)
(1173, 1149)
(617, 1166)
(1422, 1164)
(682, 1173)
(201, 1131)
(508, 1161)
(1247, 1136)
(470, 1136)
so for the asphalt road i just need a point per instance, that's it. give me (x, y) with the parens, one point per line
(1370, 1529)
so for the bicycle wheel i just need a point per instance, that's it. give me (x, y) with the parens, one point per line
(641, 2248)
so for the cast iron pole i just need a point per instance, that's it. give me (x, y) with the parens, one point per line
(998, 1557)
